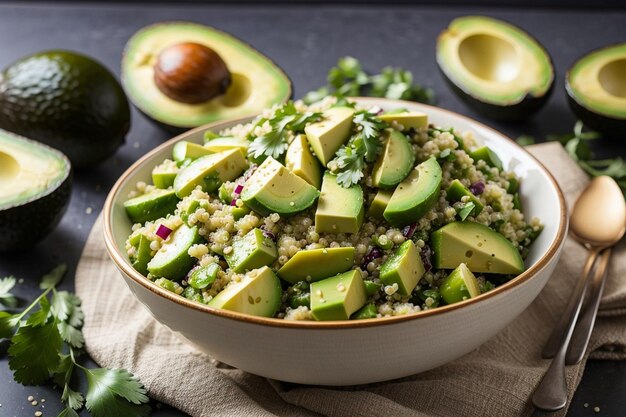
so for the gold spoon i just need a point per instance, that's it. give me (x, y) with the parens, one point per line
(598, 221)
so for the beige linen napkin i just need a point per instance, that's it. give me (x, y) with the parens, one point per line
(494, 380)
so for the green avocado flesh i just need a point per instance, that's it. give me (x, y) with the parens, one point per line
(164, 174)
(203, 276)
(336, 298)
(316, 264)
(258, 294)
(209, 172)
(460, 285)
(301, 162)
(256, 82)
(327, 135)
(479, 247)
(597, 82)
(394, 162)
(35, 185)
(404, 268)
(493, 61)
(68, 101)
(151, 206)
(456, 191)
(172, 261)
(484, 153)
(187, 150)
(251, 251)
(274, 189)
(225, 144)
(379, 203)
(409, 120)
(414, 196)
(339, 209)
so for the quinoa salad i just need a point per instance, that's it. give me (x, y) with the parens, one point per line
(331, 211)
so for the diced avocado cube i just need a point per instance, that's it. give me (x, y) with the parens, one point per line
(254, 250)
(301, 162)
(142, 256)
(367, 312)
(484, 153)
(460, 285)
(258, 294)
(404, 268)
(456, 191)
(327, 135)
(151, 206)
(239, 212)
(336, 298)
(203, 276)
(379, 203)
(187, 150)
(274, 189)
(339, 209)
(479, 247)
(163, 175)
(394, 162)
(172, 261)
(315, 264)
(209, 172)
(409, 120)
(227, 143)
(414, 196)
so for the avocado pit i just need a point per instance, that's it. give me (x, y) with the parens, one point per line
(9, 167)
(612, 78)
(191, 73)
(490, 58)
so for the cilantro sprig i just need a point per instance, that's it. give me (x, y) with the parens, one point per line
(6, 298)
(348, 78)
(284, 120)
(364, 145)
(45, 342)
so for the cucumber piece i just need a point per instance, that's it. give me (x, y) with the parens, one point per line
(203, 276)
(172, 261)
(142, 256)
(460, 285)
(151, 206)
(187, 150)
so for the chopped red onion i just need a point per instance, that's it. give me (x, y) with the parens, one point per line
(163, 231)
(373, 254)
(269, 234)
(233, 202)
(426, 253)
(238, 189)
(477, 188)
(409, 230)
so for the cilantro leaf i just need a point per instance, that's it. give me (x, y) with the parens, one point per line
(115, 393)
(68, 412)
(6, 298)
(350, 164)
(40, 317)
(54, 277)
(7, 324)
(73, 399)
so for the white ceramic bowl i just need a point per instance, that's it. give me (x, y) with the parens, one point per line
(352, 352)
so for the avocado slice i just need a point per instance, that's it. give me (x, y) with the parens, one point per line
(164, 174)
(336, 298)
(172, 261)
(495, 67)
(409, 120)
(254, 250)
(484, 153)
(256, 83)
(209, 172)
(414, 196)
(227, 143)
(187, 150)
(404, 268)
(274, 189)
(258, 294)
(315, 264)
(301, 161)
(36, 184)
(327, 135)
(460, 285)
(456, 191)
(151, 206)
(394, 162)
(339, 209)
(68, 101)
(379, 203)
(479, 247)
(596, 89)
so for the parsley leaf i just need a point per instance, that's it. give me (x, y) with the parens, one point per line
(6, 298)
(115, 393)
(53, 278)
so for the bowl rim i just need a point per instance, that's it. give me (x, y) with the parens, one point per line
(124, 266)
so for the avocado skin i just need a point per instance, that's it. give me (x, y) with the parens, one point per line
(608, 126)
(67, 101)
(24, 225)
(512, 113)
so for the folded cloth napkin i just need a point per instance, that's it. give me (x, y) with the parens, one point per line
(496, 379)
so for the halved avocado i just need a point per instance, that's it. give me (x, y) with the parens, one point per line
(254, 81)
(495, 67)
(596, 88)
(35, 186)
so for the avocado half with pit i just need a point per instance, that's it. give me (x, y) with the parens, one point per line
(495, 67)
(35, 186)
(183, 75)
(596, 88)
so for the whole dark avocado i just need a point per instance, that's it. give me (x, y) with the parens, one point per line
(68, 101)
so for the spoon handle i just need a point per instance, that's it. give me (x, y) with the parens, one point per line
(570, 313)
(584, 327)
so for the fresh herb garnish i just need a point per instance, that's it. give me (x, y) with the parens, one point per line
(45, 340)
(6, 298)
(349, 79)
(285, 119)
(363, 146)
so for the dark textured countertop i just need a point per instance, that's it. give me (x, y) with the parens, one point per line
(305, 41)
